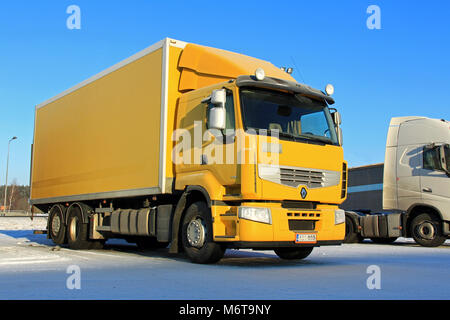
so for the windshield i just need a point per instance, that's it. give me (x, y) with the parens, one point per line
(295, 117)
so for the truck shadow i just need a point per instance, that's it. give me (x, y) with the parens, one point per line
(403, 244)
(232, 258)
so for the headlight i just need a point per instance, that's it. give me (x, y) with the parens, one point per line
(255, 214)
(339, 216)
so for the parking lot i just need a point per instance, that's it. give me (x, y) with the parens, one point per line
(32, 267)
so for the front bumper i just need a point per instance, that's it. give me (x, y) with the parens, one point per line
(268, 245)
(241, 233)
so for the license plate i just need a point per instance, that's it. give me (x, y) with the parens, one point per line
(305, 238)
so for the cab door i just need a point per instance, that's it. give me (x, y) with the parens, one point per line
(435, 183)
(209, 152)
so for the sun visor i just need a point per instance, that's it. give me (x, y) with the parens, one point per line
(203, 66)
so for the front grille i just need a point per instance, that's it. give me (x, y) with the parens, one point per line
(296, 177)
(302, 225)
(344, 181)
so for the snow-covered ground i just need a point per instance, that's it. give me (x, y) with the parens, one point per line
(32, 267)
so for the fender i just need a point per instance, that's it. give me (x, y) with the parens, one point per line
(84, 209)
(64, 215)
(175, 245)
(354, 217)
(414, 206)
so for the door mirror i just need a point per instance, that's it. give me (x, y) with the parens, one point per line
(443, 158)
(216, 110)
(340, 136)
(219, 98)
(216, 118)
(337, 119)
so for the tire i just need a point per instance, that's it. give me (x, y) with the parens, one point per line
(150, 243)
(350, 235)
(197, 235)
(384, 240)
(293, 253)
(426, 230)
(78, 232)
(56, 226)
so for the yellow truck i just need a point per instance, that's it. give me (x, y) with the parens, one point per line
(192, 146)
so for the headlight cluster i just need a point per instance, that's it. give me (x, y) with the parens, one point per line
(339, 216)
(255, 214)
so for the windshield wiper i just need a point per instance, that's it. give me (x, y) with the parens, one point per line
(297, 137)
(319, 138)
(294, 137)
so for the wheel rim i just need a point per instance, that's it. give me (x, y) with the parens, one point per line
(73, 228)
(196, 233)
(426, 230)
(56, 225)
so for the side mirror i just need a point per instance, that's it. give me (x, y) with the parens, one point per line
(442, 159)
(217, 112)
(216, 118)
(219, 98)
(340, 136)
(337, 119)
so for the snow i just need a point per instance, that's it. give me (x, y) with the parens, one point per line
(32, 267)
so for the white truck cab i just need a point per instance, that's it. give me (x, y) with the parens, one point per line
(416, 176)
(415, 186)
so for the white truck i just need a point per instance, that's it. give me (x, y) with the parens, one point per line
(414, 190)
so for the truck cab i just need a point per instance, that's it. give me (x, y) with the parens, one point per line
(417, 178)
(408, 195)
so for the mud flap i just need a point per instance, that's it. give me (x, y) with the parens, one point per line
(175, 244)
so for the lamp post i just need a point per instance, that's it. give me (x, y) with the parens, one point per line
(6, 182)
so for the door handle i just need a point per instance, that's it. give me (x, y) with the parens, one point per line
(204, 159)
(427, 190)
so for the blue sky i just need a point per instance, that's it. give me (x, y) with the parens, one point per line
(402, 69)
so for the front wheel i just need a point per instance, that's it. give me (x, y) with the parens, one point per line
(351, 236)
(197, 235)
(426, 230)
(293, 253)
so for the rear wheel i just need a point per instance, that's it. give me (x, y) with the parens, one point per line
(56, 225)
(197, 235)
(78, 232)
(293, 253)
(426, 230)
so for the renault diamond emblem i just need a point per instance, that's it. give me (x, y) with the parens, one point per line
(303, 193)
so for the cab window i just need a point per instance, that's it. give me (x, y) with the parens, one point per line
(431, 159)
